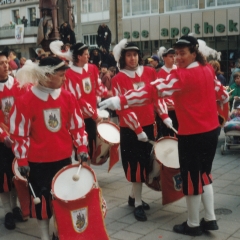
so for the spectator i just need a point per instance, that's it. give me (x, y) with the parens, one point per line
(219, 74)
(154, 61)
(237, 69)
(111, 60)
(22, 61)
(95, 57)
(12, 56)
(67, 34)
(235, 89)
(104, 36)
(12, 24)
(24, 21)
(105, 76)
(19, 21)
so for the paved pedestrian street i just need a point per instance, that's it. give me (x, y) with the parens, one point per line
(120, 221)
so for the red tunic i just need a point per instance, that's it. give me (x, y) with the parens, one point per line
(194, 90)
(85, 84)
(44, 126)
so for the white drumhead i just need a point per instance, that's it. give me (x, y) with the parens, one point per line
(109, 132)
(166, 151)
(17, 173)
(103, 113)
(66, 188)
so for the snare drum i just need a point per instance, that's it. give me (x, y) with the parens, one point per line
(108, 135)
(22, 189)
(78, 205)
(166, 151)
(104, 114)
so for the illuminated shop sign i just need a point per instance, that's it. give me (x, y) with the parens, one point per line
(173, 32)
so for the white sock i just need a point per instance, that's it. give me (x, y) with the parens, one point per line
(193, 205)
(208, 203)
(13, 198)
(43, 226)
(5, 198)
(132, 193)
(137, 189)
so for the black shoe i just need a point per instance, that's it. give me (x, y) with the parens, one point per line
(140, 214)
(17, 214)
(54, 237)
(185, 229)
(9, 221)
(131, 202)
(210, 225)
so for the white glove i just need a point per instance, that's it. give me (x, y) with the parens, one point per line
(168, 122)
(112, 103)
(142, 137)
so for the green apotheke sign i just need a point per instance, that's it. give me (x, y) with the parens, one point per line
(173, 32)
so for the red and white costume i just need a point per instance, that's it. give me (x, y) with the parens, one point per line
(136, 117)
(84, 83)
(37, 117)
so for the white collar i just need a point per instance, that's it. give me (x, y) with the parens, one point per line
(131, 74)
(79, 69)
(9, 83)
(43, 92)
(168, 70)
(193, 65)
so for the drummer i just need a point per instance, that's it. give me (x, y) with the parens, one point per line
(194, 90)
(83, 81)
(136, 124)
(41, 121)
(9, 91)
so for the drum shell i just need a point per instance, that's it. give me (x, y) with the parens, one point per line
(101, 153)
(22, 189)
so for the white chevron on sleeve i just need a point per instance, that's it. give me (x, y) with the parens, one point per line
(12, 120)
(168, 85)
(21, 126)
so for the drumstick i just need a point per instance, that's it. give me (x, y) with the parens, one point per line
(36, 200)
(152, 142)
(75, 177)
(174, 130)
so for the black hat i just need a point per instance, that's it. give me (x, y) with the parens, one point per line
(104, 65)
(77, 47)
(186, 41)
(131, 46)
(168, 51)
(4, 53)
(54, 62)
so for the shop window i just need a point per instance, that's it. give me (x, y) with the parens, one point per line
(90, 40)
(90, 6)
(214, 3)
(15, 14)
(140, 7)
(32, 17)
(180, 5)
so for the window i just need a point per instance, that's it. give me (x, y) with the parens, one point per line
(15, 14)
(214, 3)
(140, 7)
(90, 6)
(94, 10)
(32, 16)
(179, 5)
(90, 40)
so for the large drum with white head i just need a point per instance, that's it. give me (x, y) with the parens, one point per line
(108, 135)
(78, 205)
(22, 189)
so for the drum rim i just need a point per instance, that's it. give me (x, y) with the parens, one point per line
(160, 139)
(14, 173)
(62, 170)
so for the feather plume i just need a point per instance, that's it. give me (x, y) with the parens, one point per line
(160, 51)
(118, 48)
(207, 51)
(55, 47)
(31, 73)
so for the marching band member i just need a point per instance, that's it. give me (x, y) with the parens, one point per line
(9, 91)
(168, 57)
(136, 124)
(83, 81)
(44, 124)
(194, 90)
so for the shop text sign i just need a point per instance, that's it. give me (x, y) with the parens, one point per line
(173, 32)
